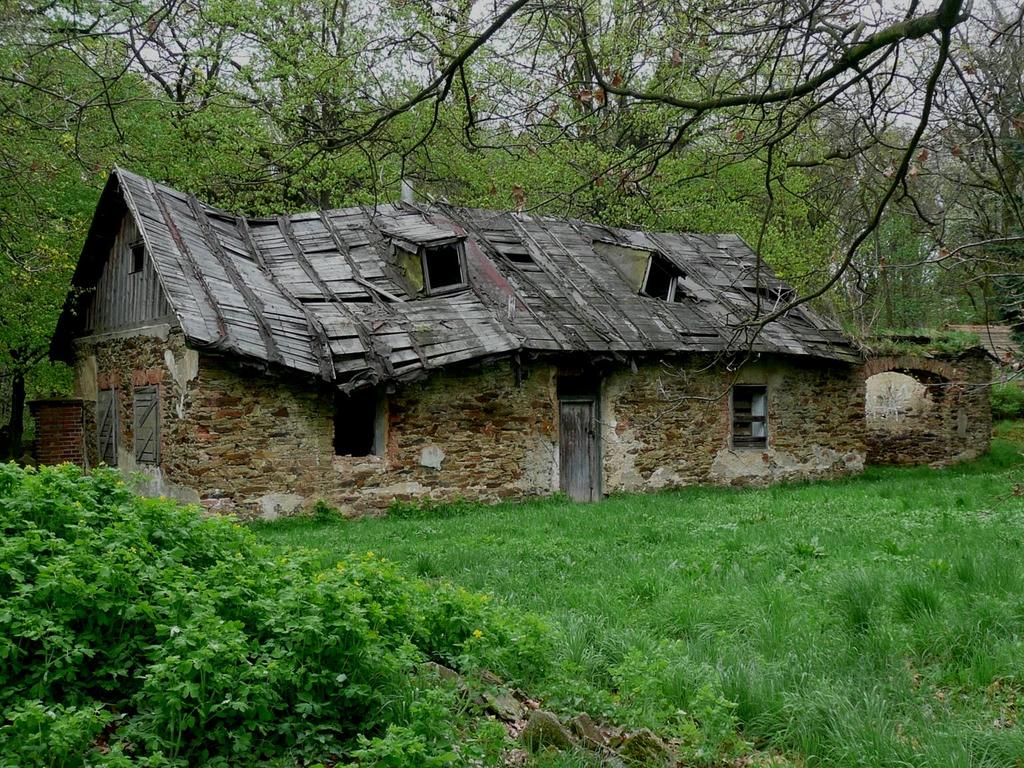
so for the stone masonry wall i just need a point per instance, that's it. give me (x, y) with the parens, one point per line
(669, 424)
(154, 356)
(956, 423)
(257, 444)
(265, 446)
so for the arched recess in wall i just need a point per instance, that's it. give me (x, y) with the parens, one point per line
(894, 400)
(909, 411)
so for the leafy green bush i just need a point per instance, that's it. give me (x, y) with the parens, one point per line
(1007, 400)
(136, 632)
(323, 512)
(430, 509)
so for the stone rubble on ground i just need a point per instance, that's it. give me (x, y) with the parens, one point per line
(533, 729)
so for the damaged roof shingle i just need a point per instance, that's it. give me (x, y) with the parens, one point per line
(324, 292)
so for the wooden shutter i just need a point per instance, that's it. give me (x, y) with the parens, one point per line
(107, 426)
(146, 415)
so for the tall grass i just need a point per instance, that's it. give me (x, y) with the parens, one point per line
(875, 621)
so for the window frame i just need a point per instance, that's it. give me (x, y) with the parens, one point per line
(137, 254)
(460, 254)
(675, 290)
(757, 442)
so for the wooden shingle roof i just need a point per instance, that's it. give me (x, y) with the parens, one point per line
(320, 292)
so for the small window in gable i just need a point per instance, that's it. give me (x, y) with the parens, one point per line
(443, 269)
(663, 280)
(138, 254)
(749, 416)
(107, 426)
(146, 420)
(360, 423)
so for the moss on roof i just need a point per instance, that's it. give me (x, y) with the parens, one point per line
(921, 341)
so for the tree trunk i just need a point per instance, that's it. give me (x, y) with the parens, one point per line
(883, 274)
(17, 426)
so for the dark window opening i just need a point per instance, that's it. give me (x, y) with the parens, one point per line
(442, 268)
(358, 424)
(663, 280)
(138, 251)
(749, 416)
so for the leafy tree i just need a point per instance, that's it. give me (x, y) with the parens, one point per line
(843, 141)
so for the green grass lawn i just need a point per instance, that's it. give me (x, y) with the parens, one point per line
(877, 621)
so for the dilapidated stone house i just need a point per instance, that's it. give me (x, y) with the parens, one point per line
(364, 355)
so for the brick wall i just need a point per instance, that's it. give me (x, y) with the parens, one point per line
(59, 431)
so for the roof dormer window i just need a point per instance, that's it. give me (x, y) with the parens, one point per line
(444, 269)
(663, 280)
(431, 269)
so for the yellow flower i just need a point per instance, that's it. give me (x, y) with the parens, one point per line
(477, 633)
(370, 553)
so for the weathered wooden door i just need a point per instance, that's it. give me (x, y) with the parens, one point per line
(578, 449)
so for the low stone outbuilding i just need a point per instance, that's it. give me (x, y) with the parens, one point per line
(406, 352)
(928, 408)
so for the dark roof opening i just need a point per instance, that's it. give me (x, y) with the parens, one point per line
(769, 295)
(442, 268)
(519, 257)
(663, 280)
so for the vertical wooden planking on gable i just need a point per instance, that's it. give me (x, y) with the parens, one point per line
(123, 299)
